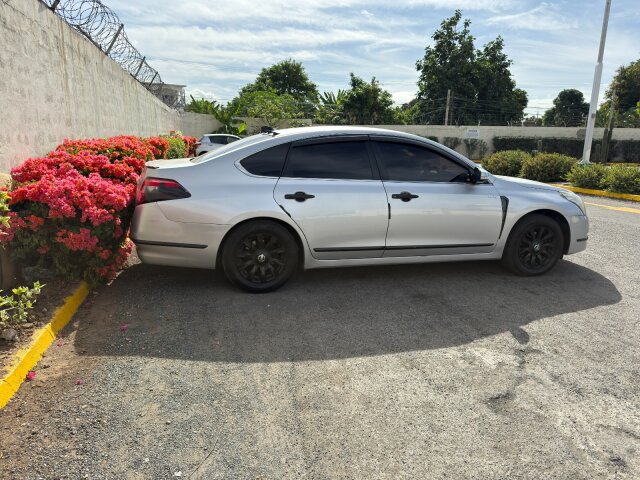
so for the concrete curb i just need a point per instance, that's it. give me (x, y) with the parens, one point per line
(28, 357)
(600, 193)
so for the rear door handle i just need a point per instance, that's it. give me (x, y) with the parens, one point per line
(298, 196)
(404, 196)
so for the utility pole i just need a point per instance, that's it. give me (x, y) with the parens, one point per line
(446, 110)
(595, 91)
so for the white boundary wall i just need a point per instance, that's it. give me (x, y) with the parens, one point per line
(487, 133)
(55, 84)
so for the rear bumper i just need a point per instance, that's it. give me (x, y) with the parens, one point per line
(579, 225)
(160, 241)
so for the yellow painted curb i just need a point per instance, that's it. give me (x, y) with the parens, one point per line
(27, 358)
(601, 193)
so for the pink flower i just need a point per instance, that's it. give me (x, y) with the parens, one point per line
(31, 375)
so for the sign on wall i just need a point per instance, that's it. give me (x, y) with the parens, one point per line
(472, 133)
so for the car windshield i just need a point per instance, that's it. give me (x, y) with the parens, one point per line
(230, 147)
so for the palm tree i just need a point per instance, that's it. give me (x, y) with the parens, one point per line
(227, 116)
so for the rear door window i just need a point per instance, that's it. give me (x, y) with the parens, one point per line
(342, 160)
(267, 163)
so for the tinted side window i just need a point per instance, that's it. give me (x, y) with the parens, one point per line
(412, 163)
(339, 160)
(267, 163)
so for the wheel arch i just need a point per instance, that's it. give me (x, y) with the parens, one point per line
(292, 230)
(558, 217)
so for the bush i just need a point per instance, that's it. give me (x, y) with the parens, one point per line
(14, 308)
(177, 148)
(547, 167)
(72, 223)
(622, 179)
(70, 210)
(507, 163)
(190, 143)
(587, 176)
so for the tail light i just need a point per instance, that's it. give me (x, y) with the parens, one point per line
(159, 189)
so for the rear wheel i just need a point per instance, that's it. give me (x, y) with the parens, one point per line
(534, 246)
(260, 256)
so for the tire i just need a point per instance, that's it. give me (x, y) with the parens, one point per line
(534, 246)
(259, 256)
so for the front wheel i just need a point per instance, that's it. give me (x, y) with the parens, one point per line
(534, 246)
(260, 256)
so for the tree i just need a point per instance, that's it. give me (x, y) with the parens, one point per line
(626, 84)
(569, 110)
(268, 106)
(483, 90)
(227, 116)
(286, 78)
(330, 110)
(366, 103)
(201, 106)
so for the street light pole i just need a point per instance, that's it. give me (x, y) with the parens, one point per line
(595, 91)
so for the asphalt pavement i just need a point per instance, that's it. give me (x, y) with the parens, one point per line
(436, 371)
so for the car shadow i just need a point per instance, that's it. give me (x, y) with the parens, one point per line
(327, 314)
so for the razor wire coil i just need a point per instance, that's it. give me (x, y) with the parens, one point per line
(102, 27)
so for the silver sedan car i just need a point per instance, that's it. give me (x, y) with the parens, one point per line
(264, 206)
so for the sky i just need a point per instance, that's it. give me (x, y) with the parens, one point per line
(216, 47)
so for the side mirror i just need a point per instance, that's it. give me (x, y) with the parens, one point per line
(475, 176)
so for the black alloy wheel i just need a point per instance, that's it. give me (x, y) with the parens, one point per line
(534, 246)
(260, 256)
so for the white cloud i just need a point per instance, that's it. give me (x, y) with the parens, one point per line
(544, 17)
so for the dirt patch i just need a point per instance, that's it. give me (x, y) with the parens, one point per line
(52, 296)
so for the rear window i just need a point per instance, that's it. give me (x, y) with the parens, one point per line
(267, 163)
(230, 147)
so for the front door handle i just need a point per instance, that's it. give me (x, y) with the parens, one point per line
(404, 196)
(298, 196)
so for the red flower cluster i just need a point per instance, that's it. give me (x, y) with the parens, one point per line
(126, 169)
(68, 194)
(190, 143)
(115, 147)
(159, 146)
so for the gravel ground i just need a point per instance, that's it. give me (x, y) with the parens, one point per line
(425, 371)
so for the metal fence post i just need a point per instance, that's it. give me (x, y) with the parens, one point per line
(54, 5)
(139, 68)
(115, 37)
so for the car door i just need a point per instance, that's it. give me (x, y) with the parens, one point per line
(331, 188)
(434, 209)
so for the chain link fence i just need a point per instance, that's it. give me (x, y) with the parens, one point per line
(102, 27)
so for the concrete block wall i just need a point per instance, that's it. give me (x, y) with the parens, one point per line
(487, 133)
(55, 84)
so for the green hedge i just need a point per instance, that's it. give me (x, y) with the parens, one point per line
(547, 167)
(508, 162)
(587, 176)
(627, 150)
(622, 179)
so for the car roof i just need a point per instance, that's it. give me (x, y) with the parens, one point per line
(220, 135)
(328, 130)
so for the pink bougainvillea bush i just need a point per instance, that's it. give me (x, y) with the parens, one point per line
(73, 223)
(70, 210)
